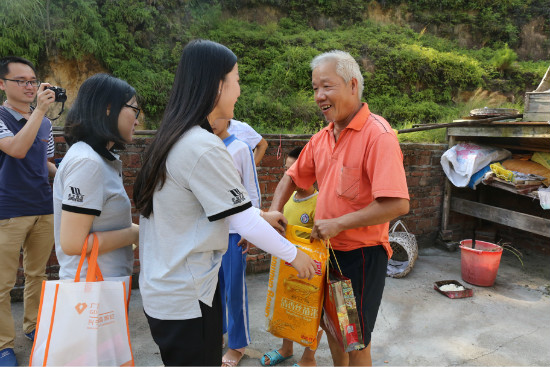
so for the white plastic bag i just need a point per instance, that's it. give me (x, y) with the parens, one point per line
(83, 323)
(465, 159)
(544, 197)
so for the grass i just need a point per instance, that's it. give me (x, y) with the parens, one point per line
(479, 99)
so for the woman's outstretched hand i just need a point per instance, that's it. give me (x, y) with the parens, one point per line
(304, 265)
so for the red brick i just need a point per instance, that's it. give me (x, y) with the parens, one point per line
(423, 160)
(253, 250)
(426, 202)
(424, 181)
(272, 161)
(129, 190)
(251, 258)
(133, 148)
(132, 160)
(412, 181)
(268, 177)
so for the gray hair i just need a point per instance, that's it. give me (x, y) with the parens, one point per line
(346, 66)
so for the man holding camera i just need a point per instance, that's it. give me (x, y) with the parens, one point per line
(26, 204)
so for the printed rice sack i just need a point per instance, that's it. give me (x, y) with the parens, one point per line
(293, 305)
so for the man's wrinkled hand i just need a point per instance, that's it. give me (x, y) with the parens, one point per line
(325, 229)
(277, 220)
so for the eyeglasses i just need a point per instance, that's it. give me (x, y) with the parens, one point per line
(24, 83)
(137, 109)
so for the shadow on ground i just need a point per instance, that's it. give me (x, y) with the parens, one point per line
(507, 324)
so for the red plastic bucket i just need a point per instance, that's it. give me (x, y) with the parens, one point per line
(480, 265)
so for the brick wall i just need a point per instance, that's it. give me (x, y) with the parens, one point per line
(426, 182)
(424, 176)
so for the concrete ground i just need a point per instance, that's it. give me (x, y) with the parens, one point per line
(507, 324)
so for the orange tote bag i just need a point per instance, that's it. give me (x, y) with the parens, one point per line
(83, 323)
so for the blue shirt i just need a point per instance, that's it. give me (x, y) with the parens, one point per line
(24, 185)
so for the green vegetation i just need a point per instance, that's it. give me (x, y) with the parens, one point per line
(410, 77)
(491, 22)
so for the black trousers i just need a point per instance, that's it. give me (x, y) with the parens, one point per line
(193, 342)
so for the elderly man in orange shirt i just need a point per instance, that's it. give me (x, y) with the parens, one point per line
(358, 165)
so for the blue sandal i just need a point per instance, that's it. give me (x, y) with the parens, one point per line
(274, 358)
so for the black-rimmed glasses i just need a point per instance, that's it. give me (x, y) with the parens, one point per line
(137, 109)
(24, 83)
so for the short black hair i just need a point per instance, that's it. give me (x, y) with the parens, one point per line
(295, 153)
(87, 119)
(5, 61)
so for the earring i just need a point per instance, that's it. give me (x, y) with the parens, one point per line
(219, 91)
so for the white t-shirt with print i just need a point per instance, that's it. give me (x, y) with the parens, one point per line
(184, 238)
(244, 163)
(91, 183)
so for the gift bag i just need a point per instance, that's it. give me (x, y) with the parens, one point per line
(340, 312)
(83, 323)
(293, 305)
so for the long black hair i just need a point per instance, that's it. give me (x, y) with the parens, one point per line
(194, 95)
(87, 119)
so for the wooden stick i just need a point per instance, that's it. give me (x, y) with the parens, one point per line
(460, 123)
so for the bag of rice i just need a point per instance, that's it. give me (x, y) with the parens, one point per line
(293, 305)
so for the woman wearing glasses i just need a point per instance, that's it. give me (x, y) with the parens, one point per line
(88, 191)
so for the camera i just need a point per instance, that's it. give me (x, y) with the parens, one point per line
(60, 95)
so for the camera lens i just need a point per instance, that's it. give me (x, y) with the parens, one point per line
(60, 95)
